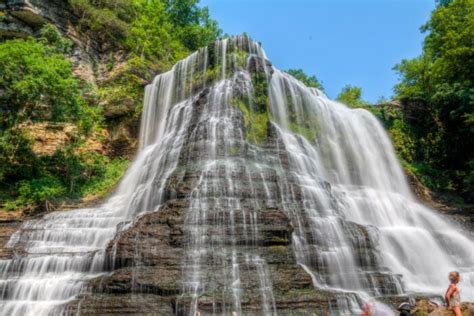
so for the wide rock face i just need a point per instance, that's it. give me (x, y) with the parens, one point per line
(148, 263)
(220, 241)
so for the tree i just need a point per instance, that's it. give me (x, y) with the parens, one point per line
(152, 34)
(352, 96)
(436, 90)
(310, 81)
(194, 27)
(37, 83)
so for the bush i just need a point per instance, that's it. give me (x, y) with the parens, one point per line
(38, 190)
(111, 170)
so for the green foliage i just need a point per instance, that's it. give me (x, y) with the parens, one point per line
(110, 62)
(310, 81)
(111, 172)
(256, 123)
(68, 174)
(36, 191)
(50, 36)
(352, 96)
(303, 130)
(37, 84)
(260, 98)
(17, 160)
(192, 24)
(85, 173)
(161, 31)
(436, 90)
(122, 93)
(152, 34)
(402, 140)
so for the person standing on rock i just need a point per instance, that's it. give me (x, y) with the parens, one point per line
(452, 296)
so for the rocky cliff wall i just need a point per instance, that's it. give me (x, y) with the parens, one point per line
(148, 261)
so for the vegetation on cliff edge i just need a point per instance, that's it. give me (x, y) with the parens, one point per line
(38, 88)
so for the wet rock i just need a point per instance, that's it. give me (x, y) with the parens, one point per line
(258, 65)
(7, 227)
(124, 304)
(425, 308)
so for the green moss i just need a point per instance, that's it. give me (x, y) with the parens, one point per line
(110, 62)
(234, 59)
(213, 73)
(122, 93)
(280, 240)
(298, 293)
(306, 124)
(255, 111)
(260, 98)
(234, 150)
(277, 254)
(240, 57)
(200, 79)
(259, 129)
(256, 124)
(306, 132)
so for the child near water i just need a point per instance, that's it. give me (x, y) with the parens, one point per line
(452, 296)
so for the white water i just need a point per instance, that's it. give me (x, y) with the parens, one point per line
(357, 225)
(354, 154)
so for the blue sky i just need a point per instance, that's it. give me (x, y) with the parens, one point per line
(340, 41)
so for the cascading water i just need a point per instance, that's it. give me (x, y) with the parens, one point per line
(352, 152)
(255, 138)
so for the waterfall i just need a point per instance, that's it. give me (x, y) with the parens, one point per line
(254, 138)
(353, 153)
